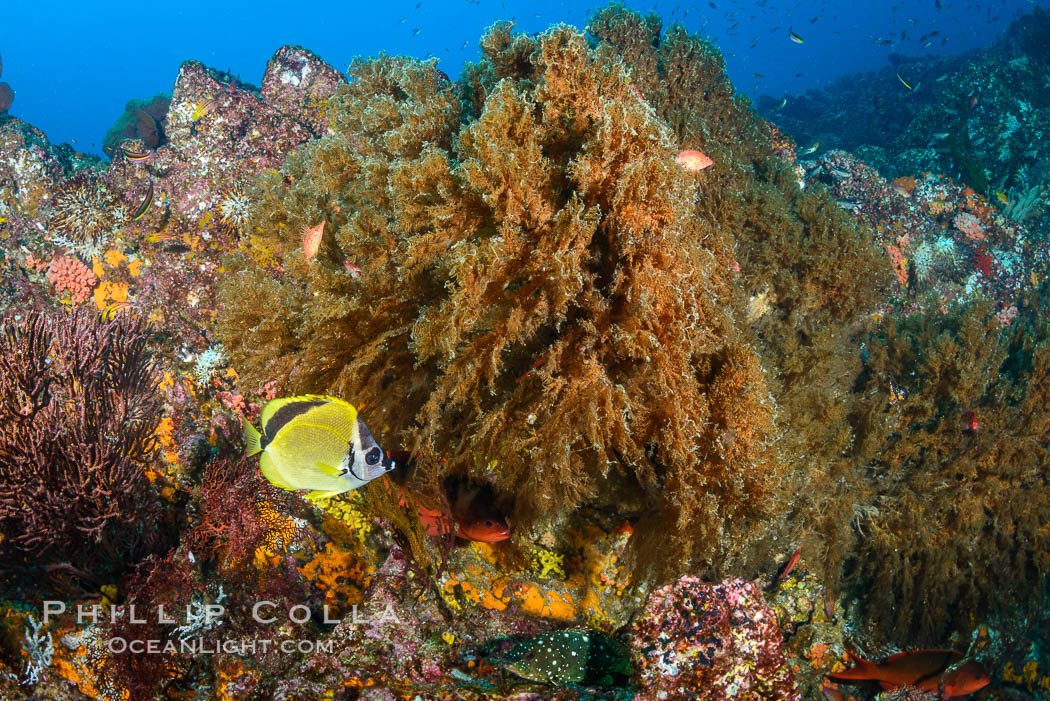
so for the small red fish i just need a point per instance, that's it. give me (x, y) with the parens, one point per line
(693, 160)
(973, 101)
(529, 371)
(353, 268)
(439, 523)
(926, 670)
(971, 425)
(312, 239)
(436, 522)
(485, 530)
(787, 569)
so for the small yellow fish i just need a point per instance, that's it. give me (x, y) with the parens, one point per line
(903, 81)
(1001, 196)
(202, 109)
(317, 443)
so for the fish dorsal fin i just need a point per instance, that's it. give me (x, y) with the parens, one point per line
(278, 412)
(338, 416)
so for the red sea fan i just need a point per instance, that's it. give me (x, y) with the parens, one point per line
(78, 414)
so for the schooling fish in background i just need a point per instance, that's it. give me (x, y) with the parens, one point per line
(926, 670)
(317, 443)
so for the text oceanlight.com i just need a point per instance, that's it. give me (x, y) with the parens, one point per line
(197, 646)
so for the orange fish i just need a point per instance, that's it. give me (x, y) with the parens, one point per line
(971, 425)
(787, 569)
(485, 530)
(490, 529)
(312, 239)
(926, 670)
(693, 160)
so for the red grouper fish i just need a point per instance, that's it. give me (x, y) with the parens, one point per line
(469, 522)
(926, 670)
(468, 526)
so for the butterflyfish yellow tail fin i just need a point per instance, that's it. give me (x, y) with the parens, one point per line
(252, 439)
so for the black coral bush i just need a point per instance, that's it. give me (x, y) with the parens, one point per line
(537, 303)
(78, 414)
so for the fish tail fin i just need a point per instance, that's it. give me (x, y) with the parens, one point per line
(252, 439)
(860, 669)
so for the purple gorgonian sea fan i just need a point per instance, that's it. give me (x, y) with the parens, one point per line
(78, 413)
(517, 278)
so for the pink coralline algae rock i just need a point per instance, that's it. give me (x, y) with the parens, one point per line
(699, 641)
(969, 225)
(69, 275)
(947, 241)
(31, 168)
(298, 84)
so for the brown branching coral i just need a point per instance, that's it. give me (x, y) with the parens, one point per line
(546, 299)
(957, 448)
(77, 418)
(537, 302)
(810, 277)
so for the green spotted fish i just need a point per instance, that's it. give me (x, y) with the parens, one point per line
(574, 656)
(317, 443)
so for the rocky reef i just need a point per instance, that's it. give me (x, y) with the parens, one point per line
(741, 416)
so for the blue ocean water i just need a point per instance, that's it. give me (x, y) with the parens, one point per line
(74, 65)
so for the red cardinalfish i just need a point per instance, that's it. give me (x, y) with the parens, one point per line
(787, 570)
(438, 522)
(926, 670)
